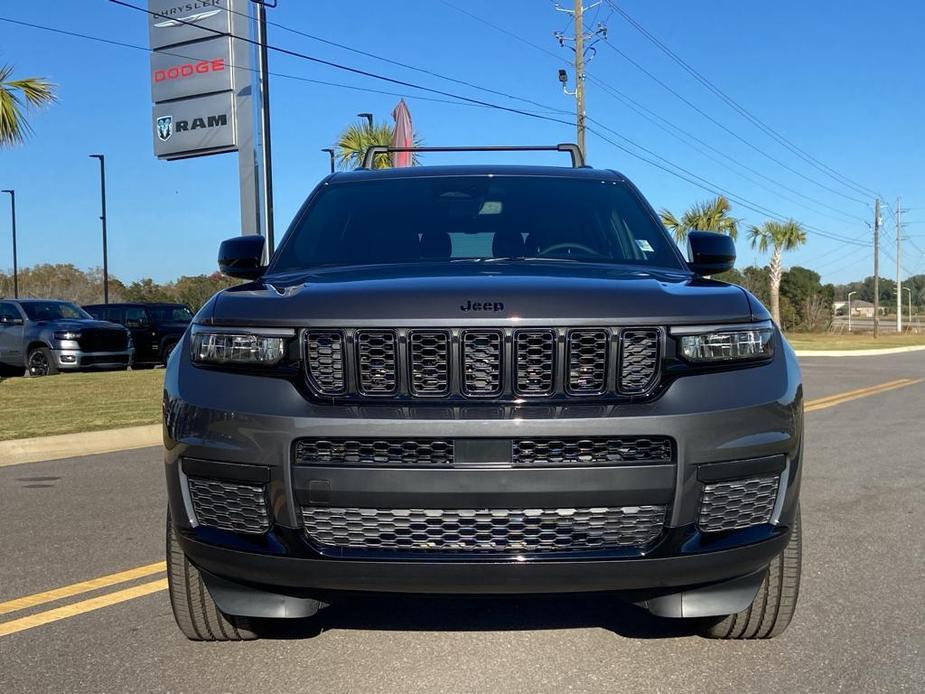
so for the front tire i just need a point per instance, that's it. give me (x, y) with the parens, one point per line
(195, 611)
(773, 607)
(41, 362)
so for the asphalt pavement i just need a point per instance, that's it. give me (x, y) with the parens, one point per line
(859, 626)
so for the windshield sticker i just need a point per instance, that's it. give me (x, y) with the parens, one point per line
(644, 246)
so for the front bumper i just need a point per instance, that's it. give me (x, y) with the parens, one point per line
(75, 359)
(732, 417)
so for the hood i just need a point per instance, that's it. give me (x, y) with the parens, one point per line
(76, 324)
(474, 292)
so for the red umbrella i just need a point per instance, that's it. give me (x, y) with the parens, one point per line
(402, 135)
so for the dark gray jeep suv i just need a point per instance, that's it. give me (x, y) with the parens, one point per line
(482, 380)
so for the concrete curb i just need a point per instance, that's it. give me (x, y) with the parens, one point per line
(42, 448)
(857, 352)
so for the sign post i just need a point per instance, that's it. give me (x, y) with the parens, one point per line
(203, 83)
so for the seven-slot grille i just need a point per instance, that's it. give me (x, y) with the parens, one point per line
(474, 363)
(501, 531)
(538, 452)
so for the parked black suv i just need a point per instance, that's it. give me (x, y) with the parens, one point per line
(156, 327)
(482, 379)
(44, 336)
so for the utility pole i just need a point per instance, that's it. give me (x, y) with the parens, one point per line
(899, 279)
(877, 267)
(583, 51)
(103, 220)
(580, 74)
(15, 268)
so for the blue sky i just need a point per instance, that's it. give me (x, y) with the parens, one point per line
(843, 81)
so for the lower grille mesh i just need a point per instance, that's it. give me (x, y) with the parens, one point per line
(484, 530)
(592, 451)
(738, 504)
(233, 506)
(374, 452)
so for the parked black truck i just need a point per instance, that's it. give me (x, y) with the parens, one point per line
(43, 337)
(482, 380)
(155, 327)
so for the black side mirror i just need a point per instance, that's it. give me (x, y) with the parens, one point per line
(709, 253)
(242, 257)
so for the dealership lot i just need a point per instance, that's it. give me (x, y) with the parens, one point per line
(859, 625)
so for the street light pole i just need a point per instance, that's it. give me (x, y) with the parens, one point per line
(368, 117)
(103, 220)
(15, 268)
(330, 151)
(849, 310)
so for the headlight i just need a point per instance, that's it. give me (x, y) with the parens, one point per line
(241, 346)
(67, 335)
(725, 343)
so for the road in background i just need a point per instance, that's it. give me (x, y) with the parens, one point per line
(859, 625)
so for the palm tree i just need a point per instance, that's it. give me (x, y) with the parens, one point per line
(352, 144)
(712, 215)
(780, 236)
(16, 97)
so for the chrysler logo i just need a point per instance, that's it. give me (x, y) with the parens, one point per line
(192, 18)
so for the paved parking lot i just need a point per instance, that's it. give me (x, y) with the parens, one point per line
(859, 627)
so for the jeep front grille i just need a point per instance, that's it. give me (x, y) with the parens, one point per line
(638, 360)
(504, 364)
(738, 504)
(498, 531)
(538, 452)
(377, 362)
(324, 353)
(430, 363)
(587, 361)
(535, 358)
(482, 358)
(237, 506)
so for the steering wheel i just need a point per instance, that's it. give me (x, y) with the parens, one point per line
(568, 244)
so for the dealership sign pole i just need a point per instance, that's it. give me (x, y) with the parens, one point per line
(203, 84)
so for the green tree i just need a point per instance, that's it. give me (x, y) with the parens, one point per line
(17, 96)
(779, 237)
(356, 138)
(147, 290)
(712, 215)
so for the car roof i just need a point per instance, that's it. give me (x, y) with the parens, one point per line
(134, 303)
(581, 172)
(44, 301)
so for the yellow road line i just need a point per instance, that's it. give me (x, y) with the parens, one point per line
(82, 587)
(58, 613)
(839, 398)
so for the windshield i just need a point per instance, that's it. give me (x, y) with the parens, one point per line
(431, 219)
(170, 314)
(53, 310)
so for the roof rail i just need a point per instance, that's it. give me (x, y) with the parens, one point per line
(578, 159)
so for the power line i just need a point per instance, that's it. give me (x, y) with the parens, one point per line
(725, 128)
(661, 122)
(813, 161)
